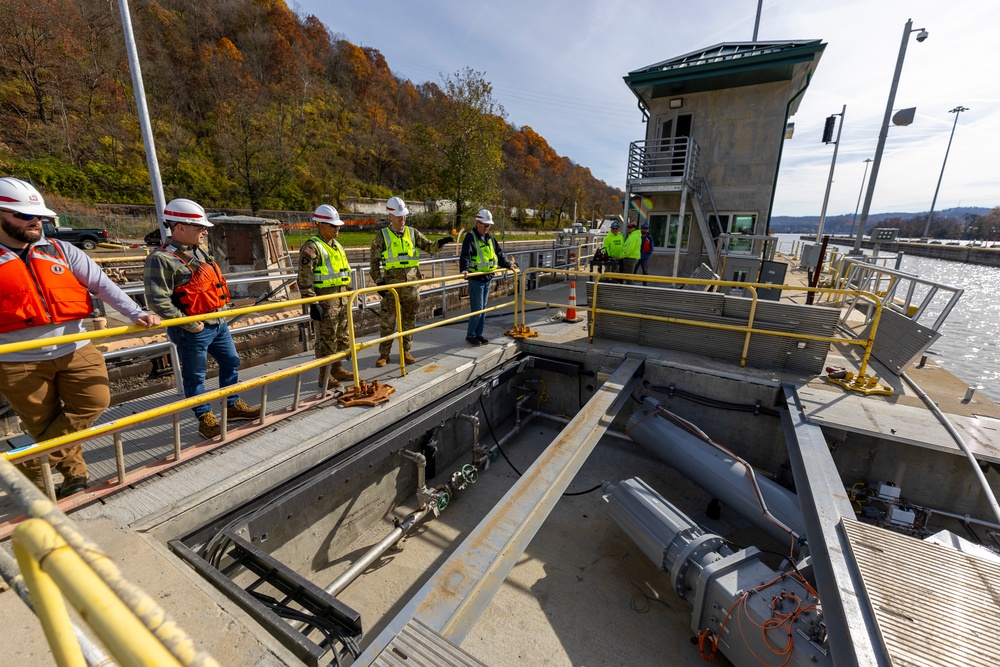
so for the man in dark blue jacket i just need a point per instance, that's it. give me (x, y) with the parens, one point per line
(480, 257)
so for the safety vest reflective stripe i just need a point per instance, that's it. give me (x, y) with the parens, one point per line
(485, 258)
(327, 274)
(400, 253)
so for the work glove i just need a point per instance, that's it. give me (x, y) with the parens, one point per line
(442, 242)
(315, 312)
(384, 293)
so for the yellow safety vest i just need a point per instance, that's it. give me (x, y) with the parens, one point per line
(400, 253)
(485, 258)
(334, 270)
(614, 244)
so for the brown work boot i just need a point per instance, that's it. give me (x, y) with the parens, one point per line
(241, 412)
(209, 426)
(337, 372)
(408, 358)
(382, 361)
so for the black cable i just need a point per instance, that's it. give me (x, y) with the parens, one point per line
(711, 402)
(633, 603)
(486, 417)
(329, 629)
(583, 493)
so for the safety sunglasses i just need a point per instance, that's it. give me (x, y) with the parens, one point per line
(27, 217)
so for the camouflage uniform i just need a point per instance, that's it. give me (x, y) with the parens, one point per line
(331, 331)
(409, 297)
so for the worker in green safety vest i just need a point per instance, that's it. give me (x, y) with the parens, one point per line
(324, 270)
(479, 258)
(395, 254)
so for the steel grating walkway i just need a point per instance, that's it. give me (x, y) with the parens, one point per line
(933, 605)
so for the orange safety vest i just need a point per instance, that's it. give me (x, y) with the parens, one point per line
(40, 291)
(207, 290)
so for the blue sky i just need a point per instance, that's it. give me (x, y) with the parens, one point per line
(557, 65)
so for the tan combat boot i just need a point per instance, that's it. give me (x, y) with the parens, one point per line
(408, 358)
(337, 372)
(382, 361)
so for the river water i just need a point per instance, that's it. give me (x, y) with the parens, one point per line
(969, 345)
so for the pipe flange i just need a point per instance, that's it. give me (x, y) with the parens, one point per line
(694, 550)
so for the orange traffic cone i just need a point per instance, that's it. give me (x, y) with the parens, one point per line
(571, 311)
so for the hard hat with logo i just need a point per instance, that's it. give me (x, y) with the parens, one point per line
(396, 206)
(615, 225)
(186, 211)
(328, 214)
(485, 217)
(21, 197)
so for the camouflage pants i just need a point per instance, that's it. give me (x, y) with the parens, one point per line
(331, 331)
(409, 301)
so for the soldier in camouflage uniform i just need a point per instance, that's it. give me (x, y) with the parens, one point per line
(324, 269)
(395, 255)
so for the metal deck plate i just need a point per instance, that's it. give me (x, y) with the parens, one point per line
(416, 645)
(933, 605)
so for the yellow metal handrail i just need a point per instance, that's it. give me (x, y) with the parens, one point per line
(748, 329)
(51, 568)
(41, 449)
(53, 555)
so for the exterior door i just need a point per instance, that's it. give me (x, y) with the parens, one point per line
(673, 143)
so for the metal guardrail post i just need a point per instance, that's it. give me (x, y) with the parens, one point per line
(176, 419)
(175, 363)
(119, 458)
(263, 404)
(224, 419)
(297, 392)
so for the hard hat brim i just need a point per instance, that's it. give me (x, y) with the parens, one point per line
(29, 209)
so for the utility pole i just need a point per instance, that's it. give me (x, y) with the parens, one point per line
(883, 133)
(860, 192)
(833, 164)
(957, 111)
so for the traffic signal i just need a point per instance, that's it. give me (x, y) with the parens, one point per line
(828, 129)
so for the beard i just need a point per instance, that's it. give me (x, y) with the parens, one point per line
(20, 233)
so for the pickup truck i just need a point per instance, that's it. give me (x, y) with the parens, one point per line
(83, 238)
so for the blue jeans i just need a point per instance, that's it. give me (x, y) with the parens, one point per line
(479, 291)
(193, 350)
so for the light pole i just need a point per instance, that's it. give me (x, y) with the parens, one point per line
(957, 111)
(921, 36)
(829, 181)
(860, 192)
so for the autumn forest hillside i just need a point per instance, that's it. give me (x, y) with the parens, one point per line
(254, 106)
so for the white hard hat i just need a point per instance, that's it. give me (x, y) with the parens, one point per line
(484, 216)
(21, 197)
(186, 211)
(396, 206)
(328, 214)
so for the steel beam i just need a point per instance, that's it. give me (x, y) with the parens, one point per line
(455, 596)
(851, 628)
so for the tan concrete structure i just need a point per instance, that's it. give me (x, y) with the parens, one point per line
(715, 125)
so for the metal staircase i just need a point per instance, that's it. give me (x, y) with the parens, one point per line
(708, 226)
